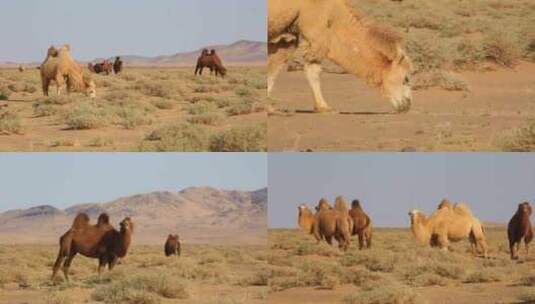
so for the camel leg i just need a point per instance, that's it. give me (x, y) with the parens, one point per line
(279, 54)
(369, 239)
(313, 71)
(102, 261)
(329, 239)
(443, 242)
(526, 242)
(113, 261)
(57, 264)
(361, 240)
(45, 83)
(67, 265)
(512, 250)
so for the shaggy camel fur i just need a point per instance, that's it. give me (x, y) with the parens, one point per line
(333, 29)
(61, 68)
(331, 223)
(172, 245)
(306, 219)
(519, 228)
(449, 225)
(212, 61)
(362, 225)
(100, 241)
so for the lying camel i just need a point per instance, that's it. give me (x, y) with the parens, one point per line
(519, 228)
(449, 224)
(60, 67)
(100, 241)
(331, 223)
(172, 245)
(333, 29)
(362, 225)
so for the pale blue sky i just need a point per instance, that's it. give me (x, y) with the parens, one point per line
(103, 28)
(389, 185)
(64, 179)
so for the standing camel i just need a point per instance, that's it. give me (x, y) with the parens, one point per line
(519, 228)
(362, 225)
(100, 241)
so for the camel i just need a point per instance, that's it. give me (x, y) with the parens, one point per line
(22, 68)
(117, 65)
(305, 219)
(446, 225)
(333, 29)
(60, 67)
(331, 223)
(519, 228)
(212, 61)
(105, 67)
(100, 241)
(362, 225)
(172, 245)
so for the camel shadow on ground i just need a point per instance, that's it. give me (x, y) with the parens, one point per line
(358, 113)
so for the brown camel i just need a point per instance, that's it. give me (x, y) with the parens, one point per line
(100, 241)
(212, 61)
(331, 223)
(117, 65)
(362, 225)
(172, 245)
(519, 228)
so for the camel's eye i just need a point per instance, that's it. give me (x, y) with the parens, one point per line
(406, 81)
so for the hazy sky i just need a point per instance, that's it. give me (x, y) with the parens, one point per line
(103, 28)
(64, 179)
(389, 185)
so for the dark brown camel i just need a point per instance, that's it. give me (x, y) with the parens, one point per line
(100, 241)
(519, 228)
(212, 61)
(172, 245)
(105, 67)
(117, 65)
(362, 225)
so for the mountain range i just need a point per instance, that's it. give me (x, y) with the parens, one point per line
(197, 214)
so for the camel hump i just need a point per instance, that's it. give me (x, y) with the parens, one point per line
(462, 209)
(80, 221)
(323, 204)
(103, 219)
(445, 203)
(340, 204)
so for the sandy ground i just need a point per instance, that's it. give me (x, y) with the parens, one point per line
(439, 120)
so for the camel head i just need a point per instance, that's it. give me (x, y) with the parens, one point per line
(90, 87)
(355, 204)
(223, 71)
(445, 203)
(204, 52)
(396, 85)
(340, 203)
(415, 216)
(212, 52)
(524, 208)
(127, 225)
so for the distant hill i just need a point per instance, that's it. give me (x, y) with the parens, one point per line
(242, 52)
(198, 214)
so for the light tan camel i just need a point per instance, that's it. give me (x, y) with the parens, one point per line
(305, 219)
(60, 67)
(333, 29)
(449, 224)
(331, 223)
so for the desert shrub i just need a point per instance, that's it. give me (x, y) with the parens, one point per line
(100, 142)
(469, 53)
(163, 104)
(66, 142)
(384, 295)
(243, 91)
(211, 119)
(155, 89)
(425, 53)
(240, 139)
(4, 93)
(183, 137)
(259, 278)
(22, 87)
(85, 116)
(131, 117)
(520, 139)
(447, 80)
(57, 100)
(244, 107)
(57, 297)
(429, 279)
(483, 276)
(42, 109)
(10, 123)
(201, 108)
(500, 48)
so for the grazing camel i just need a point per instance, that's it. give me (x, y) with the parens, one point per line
(449, 225)
(172, 245)
(333, 29)
(519, 228)
(105, 67)
(100, 241)
(61, 68)
(362, 225)
(331, 223)
(212, 61)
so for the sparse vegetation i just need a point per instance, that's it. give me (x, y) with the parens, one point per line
(519, 139)
(246, 139)
(10, 123)
(130, 106)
